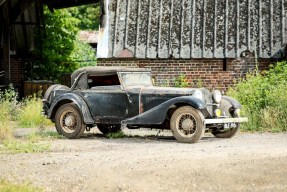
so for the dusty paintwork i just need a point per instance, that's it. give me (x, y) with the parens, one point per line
(110, 96)
(195, 28)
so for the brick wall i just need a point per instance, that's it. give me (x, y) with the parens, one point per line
(17, 74)
(215, 73)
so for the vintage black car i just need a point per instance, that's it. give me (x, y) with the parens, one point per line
(109, 97)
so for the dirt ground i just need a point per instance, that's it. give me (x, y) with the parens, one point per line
(248, 162)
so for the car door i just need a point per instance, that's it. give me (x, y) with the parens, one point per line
(108, 104)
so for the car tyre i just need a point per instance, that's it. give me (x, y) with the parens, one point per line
(107, 129)
(227, 134)
(187, 125)
(69, 121)
(225, 107)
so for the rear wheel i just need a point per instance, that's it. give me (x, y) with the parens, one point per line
(106, 128)
(187, 125)
(69, 121)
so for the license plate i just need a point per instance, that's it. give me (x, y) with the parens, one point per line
(229, 125)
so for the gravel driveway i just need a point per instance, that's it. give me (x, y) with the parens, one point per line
(248, 162)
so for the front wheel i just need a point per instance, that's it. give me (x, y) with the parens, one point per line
(107, 129)
(187, 125)
(227, 134)
(225, 107)
(69, 121)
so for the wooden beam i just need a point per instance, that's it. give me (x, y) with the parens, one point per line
(56, 4)
(19, 8)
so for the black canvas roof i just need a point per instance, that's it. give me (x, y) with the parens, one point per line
(103, 71)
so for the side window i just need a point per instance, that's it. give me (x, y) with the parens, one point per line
(109, 80)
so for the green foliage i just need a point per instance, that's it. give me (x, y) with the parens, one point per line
(60, 51)
(89, 16)
(6, 186)
(181, 81)
(116, 135)
(198, 83)
(29, 112)
(57, 45)
(84, 53)
(41, 135)
(30, 115)
(6, 129)
(264, 99)
(8, 106)
(24, 146)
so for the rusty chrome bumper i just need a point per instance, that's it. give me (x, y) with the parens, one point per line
(225, 120)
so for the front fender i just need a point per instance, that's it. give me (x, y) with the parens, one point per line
(157, 114)
(72, 97)
(235, 104)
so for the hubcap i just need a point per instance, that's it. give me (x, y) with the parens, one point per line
(68, 121)
(186, 125)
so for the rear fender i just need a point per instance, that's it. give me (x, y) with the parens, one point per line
(69, 98)
(157, 114)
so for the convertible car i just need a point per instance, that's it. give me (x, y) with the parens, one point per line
(109, 97)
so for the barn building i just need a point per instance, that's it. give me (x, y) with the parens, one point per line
(19, 21)
(209, 41)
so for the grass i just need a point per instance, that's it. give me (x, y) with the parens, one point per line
(23, 146)
(116, 135)
(31, 143)
(30, 115)
(6, 186)
(26, 113)
(6, 128)
(43, 135)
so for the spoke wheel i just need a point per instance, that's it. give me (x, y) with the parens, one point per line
(106, 128)
(187, 125)
(69, 121)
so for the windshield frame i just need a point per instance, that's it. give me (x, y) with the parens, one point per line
(125, 85)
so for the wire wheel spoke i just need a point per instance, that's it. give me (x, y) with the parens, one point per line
(186, 125)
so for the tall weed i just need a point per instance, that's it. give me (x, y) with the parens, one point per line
(181, 81)
(8, 108)
(6, 129)
(264, 99)
(30, 115)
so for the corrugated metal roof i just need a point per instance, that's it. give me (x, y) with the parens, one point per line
(193, 28)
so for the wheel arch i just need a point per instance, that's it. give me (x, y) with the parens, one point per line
(71, 98)
(235, 104)
(158, 114)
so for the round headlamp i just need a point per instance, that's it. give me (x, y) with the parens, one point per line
(217, 96)
(198, 94)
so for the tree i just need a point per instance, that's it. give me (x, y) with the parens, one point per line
(60, 51)
(88, 15)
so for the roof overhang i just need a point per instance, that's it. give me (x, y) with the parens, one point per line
(59, 4)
